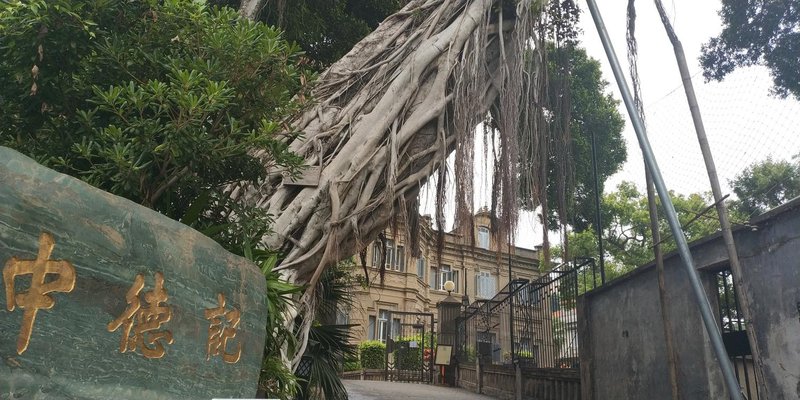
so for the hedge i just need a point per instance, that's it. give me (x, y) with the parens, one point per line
(373, 354)
(412, 358)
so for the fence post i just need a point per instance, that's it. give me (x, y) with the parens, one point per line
(517, 381)
(449, 309)
(478, 376)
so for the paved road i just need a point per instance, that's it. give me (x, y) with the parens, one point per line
(379, 390)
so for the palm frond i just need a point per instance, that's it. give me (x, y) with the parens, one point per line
(328, 347)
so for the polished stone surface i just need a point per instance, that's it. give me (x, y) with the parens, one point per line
(108, 241)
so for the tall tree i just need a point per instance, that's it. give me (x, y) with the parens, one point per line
(757, 33)
(766, 184)
(593, 110)
(628, 235)
(388, 114)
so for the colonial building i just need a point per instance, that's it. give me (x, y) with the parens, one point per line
(416, 284)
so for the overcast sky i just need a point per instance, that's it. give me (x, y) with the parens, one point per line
(744, 123)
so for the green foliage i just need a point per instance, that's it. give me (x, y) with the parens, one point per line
(275, 379)
(351, 365)
(328, 346)
(334, 291)
(328, 30)
(325, 30)
(406, 357)
(411, 358)
(520, 354)
(372, 354)
(757, 33)
(765, 185)
(164, 103)
(471, 354)
(592, 110)
(429, 339)
(627, 236)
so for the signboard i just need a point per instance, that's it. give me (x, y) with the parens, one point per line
(443, 354)
(103, 298)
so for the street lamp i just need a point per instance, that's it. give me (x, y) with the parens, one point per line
(449, 286)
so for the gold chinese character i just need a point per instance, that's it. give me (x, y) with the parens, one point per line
(144, 320)
(218, 334)
(37, 296)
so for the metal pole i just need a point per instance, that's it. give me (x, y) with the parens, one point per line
(683, 248)
(598, 218)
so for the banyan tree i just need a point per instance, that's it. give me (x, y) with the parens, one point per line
(387, 115)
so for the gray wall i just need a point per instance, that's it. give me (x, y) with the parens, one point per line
(771, 260)
(623, 353)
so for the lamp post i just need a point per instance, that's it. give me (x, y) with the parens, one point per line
(449, 286)
(449, 309)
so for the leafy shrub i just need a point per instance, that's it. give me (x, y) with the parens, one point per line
(412, 358)
(470, 354)
(351, 365)
(165, 103)
(520, 354)
(407, 357)
(373, 354)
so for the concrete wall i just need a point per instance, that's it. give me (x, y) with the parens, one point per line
(622, 346)
(770, 257)
(622, 340)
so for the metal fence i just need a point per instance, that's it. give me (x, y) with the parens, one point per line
(532, 323)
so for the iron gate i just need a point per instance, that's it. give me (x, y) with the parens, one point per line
(410, 347)
(734, 334)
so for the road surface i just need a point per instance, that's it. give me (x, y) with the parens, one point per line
(379, 390)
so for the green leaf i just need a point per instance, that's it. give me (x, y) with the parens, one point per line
(198, 205)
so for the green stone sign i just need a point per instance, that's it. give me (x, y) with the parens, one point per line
(105, 299)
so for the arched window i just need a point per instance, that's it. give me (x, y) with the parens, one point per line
(483, 237)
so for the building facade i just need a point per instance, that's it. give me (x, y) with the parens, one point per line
(416, 284)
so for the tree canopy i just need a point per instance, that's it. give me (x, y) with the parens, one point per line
(757, 33)
(626, 232)
(627, 237)
(766, 184)
(325, 30)
(593, 110)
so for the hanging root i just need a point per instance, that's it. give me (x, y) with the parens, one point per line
(390, 112)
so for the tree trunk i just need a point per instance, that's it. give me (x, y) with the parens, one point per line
(250, 9)
(387, 115)
(385, 118)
